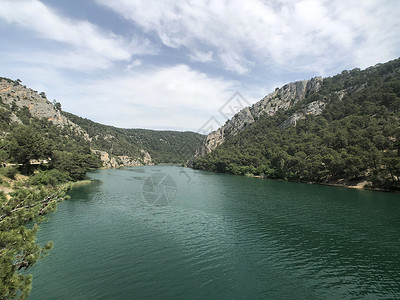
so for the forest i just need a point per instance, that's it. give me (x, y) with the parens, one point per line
(163, 146)
(356, 138)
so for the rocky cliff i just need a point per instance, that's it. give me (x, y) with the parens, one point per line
(15, 97)
(281, 99)
(110, 161)
(13, 94)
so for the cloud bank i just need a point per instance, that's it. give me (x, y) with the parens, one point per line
(172, 65)
(282, 32)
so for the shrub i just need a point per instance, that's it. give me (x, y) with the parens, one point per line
(9, 172)
(52, 177)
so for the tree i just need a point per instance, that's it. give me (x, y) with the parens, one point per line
(57, 105)
(18, 248)
(26, 144)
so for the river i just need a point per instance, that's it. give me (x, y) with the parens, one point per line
(201, 235)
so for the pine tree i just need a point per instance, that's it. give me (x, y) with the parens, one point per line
(18, 248)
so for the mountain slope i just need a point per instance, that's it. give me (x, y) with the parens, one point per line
(281, 99)
(345, 131)
(48, 140)
(114, 146)
(151, 145)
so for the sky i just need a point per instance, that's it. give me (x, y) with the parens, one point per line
(172, 65)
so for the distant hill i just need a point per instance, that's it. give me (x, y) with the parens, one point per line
(34, 128)
(151, 146)
(343, 129)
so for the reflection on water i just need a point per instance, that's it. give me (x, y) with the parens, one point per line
(86, 192)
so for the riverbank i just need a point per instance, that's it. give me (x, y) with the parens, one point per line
(359, 185)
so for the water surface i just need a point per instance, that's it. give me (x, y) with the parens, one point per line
(223, 237)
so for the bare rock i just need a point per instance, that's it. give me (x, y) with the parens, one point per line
(282, 98)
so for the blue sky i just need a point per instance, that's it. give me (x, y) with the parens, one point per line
(174, 64)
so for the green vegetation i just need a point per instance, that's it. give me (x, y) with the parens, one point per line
(356, 138)
(37, 139)
(163, 146)
(50, 155)
(18, 247)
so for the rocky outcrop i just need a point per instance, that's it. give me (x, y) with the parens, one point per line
(110, 161)
(286, 96)
(107, 160)
(282, 98)
(314, 108)
(146, 157)
(12, 93)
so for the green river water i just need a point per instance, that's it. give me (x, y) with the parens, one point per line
(220, 237)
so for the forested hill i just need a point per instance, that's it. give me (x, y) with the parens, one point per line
(37, 129)
(347, 131)
(163, 146)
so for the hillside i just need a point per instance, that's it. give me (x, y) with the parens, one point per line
(24, 108)
(342, 129)
(154, 146)
(281, 99)
(34, 132)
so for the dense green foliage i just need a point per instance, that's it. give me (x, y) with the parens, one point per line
(356, 138)
(51, 155)
(163, 146)
(37, 139)
(18, 248)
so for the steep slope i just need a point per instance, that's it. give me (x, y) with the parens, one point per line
(281, 99)
(44, 141)
(16, 96)
(344, 130)
(115, 146)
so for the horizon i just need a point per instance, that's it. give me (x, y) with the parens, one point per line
(160, 66)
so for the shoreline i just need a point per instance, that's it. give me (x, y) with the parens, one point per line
(80, 183)
(362, 185)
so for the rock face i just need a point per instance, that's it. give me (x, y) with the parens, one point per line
(314, 108)
(110, 161)
(13, 93)
(146, 157)
(282, 98)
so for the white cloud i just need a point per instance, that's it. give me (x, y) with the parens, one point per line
(200, 56)
(234, 62)
(270, 42)
(286, 33)
(82, 61)
(134, 64)
(176, 97)
(89, 45)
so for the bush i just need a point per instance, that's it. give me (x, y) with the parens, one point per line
(9, 172)
(51, 177)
